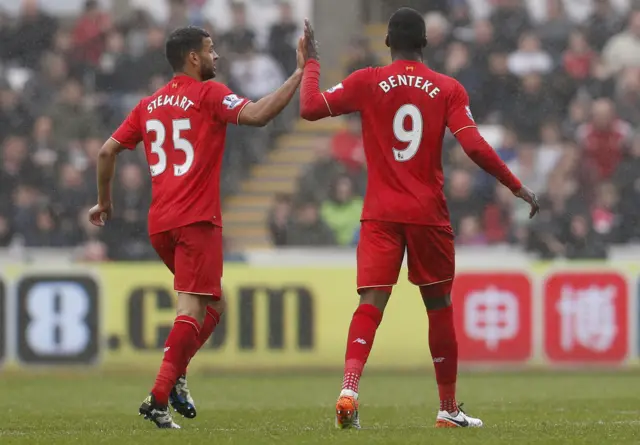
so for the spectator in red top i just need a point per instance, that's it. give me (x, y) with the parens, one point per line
(346, 145)
(578, 57)
(604, 213)
(89, 33)
(603, 140)
(498, 217)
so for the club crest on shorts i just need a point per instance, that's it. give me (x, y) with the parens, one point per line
(231, 101)
(335, 88)
(468, 109)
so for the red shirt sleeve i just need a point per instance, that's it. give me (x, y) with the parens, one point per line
(225, 105)
(459, 114)
(129, 134)
(348, 96)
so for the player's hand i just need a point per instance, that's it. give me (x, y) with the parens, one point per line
(528, 196)
(99, 214)
(311, 43)
(301, 52)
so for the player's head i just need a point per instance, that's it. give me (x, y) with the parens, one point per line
(190, 50)
(407, 32)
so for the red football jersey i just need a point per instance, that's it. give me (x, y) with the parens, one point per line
(183, 126)
(405, 109)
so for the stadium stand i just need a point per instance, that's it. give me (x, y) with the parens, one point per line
(557, 92)
(68, 82)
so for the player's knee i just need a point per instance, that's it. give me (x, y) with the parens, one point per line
(219, 305)
(375, 297)
(192, 305)
(432, 302)
(437, 296)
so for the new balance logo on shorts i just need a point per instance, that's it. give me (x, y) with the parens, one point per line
(360, 340)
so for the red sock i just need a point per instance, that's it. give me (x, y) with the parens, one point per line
(211, 320)
(362, 332)
(182, 340)
(444, 351)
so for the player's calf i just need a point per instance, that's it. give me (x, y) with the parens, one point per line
(362, 331)
(179, 347)
(213, 314)
(180, 397)
(443, 346)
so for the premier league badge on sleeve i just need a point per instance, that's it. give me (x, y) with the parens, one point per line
(231, 101)
(469, 112)
(335, 88)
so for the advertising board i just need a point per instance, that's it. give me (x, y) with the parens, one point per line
(118, 315)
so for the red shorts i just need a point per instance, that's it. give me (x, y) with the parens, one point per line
(430, 255)
(193, 254)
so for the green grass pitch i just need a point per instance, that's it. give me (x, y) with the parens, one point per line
(517, 408)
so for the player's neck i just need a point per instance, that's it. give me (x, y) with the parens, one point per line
(192, 75)
(410, 56)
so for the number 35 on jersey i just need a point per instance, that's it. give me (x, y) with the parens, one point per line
(178, 126)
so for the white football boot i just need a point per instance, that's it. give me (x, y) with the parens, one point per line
(459, 420)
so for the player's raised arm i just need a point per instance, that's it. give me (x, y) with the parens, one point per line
(346, 97)
(460, 122)
(127, 136)
(260, 113)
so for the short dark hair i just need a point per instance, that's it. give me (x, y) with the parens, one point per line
(181, 42)
(407, 30)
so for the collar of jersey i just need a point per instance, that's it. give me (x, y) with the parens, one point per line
(403, 61)
(184, 78)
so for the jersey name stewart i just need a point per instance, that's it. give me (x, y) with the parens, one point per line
(183, 128)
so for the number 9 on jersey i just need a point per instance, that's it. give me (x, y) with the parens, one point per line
(409, 132)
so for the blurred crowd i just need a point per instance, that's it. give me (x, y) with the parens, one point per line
(563, 92)
(67, 83)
